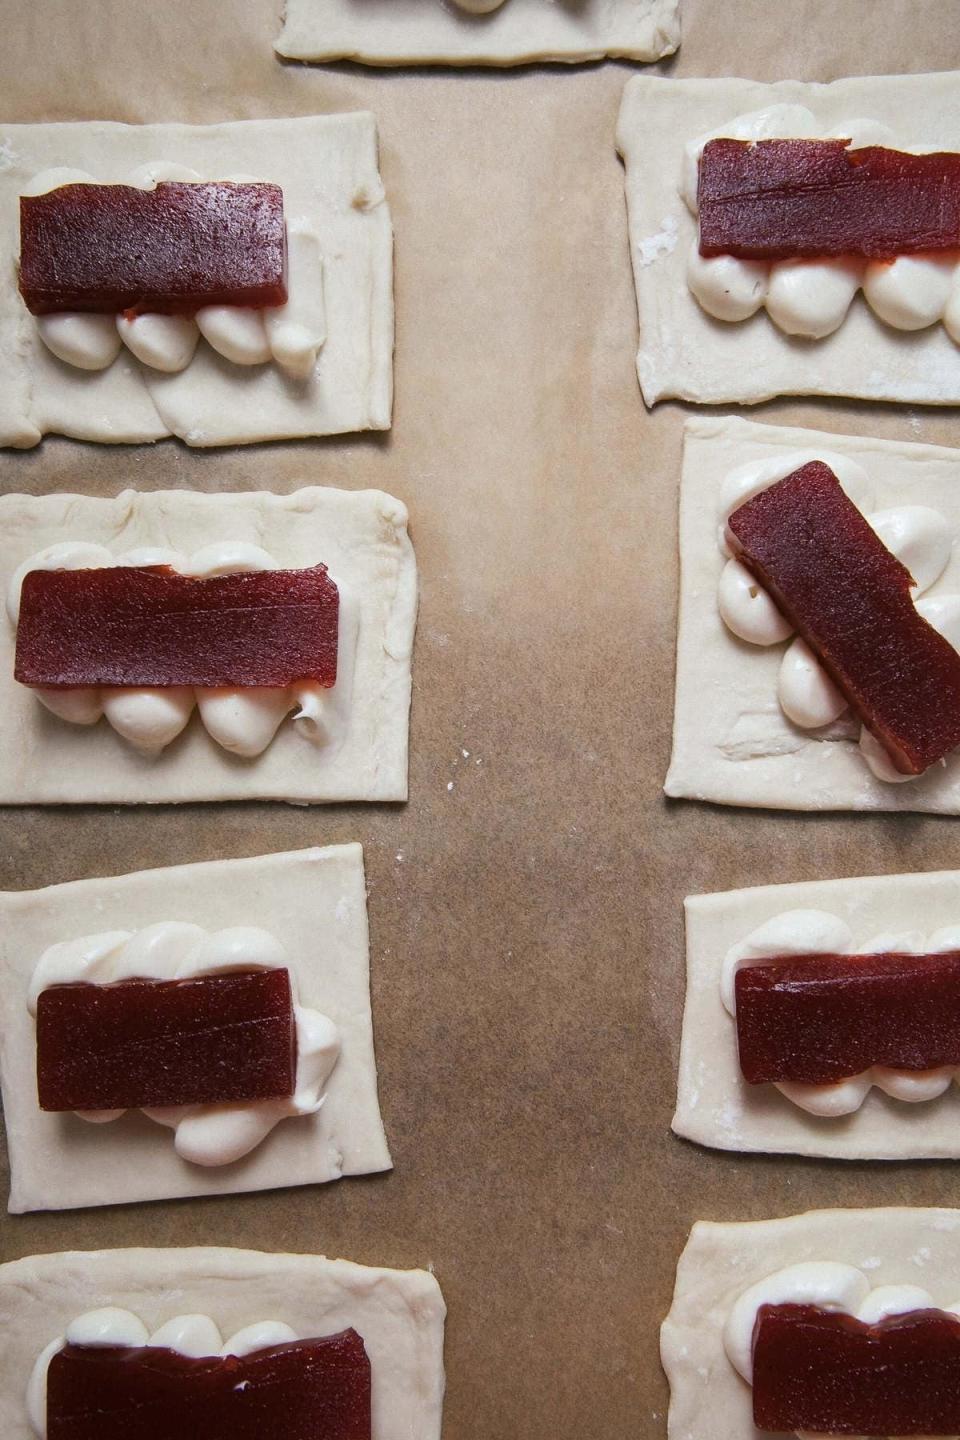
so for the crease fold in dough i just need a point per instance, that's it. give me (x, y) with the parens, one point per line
(686, 354)
(439, 32)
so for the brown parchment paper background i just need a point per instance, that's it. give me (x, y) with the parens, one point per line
(525, 906)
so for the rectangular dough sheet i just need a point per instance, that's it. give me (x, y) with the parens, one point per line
(731, 741)
(361, 536)
(437, 32)
(399, 1314)
(314, 902)
(683, 351)
(896, 1246)
(717, 1107)
(327, 166)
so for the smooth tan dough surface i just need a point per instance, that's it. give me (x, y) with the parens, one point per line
(360, 535)
(683, 351)
(439, 32)
(60, 1162)
(717, 1107)
(327, 166)
(898, 1246)
(399, 1314)
(731, 741)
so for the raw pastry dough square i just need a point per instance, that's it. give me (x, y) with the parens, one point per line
(683, 351)
(399, 1314)
(327, 166)
(437, 32)
(360, 535)
(717, 1107)
(314, 902)
(897, 1246)
(731, 741)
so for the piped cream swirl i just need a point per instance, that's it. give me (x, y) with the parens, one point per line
(920, 537)
(796, 933)
(810, 298)
(241, 719)
(291, 335)
(194, 1335)
(174, 950)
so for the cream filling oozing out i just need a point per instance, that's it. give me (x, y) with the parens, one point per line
(810, 298)
(796, 933)
(195, 1335)
(828, 1285)
(241, 719)
(921, 538)
(174, 950)
(291, 335)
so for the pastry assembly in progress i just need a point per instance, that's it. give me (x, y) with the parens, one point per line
(231, 1344)
(287, 286)
(222, 283)
(161, 1055)
(478, 32)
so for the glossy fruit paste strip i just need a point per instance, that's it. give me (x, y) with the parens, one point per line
(807, 199)
(306, 1390)
(174, 249)
(850, 599)
(818, 1019)
(141, 1043)
(127, 626)
(830, 1374)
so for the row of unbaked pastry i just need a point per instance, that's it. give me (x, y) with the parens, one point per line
(777, 732)
(712, 329)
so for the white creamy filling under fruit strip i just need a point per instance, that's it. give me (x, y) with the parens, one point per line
(242, 719)
(175, 950)
(194, 1335)
(796, 933)
(921, 538)
(810, 298)
(291, 334)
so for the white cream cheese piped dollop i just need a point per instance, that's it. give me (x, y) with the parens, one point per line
(207, 1135)
(919, 536)
(796, 933)
(241, 719)
(194, 1335)
(811, 298)
(291, 335)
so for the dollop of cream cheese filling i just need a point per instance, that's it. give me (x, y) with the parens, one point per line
(291, 335)
(174, 950)
(810, 298)
(920, 537)
(796, 933)
(242, 719)
(194, 1335)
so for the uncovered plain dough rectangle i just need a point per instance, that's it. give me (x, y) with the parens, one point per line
(327, 166)
(398, 1313)
(731, 741)
(360, 535)
(687, 354)
(716, 1106)
(314, 903)
(437, 32)
(896, 1246)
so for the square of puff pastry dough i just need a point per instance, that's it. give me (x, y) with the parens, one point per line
(327, 166)
(896, 1246)
(717, 1107)
(683, 351)
(438, 32)
(59, 1162)
(362, 538)
(739, 748)
(398, 1313)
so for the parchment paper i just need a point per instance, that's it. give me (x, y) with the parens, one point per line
(525, 906)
